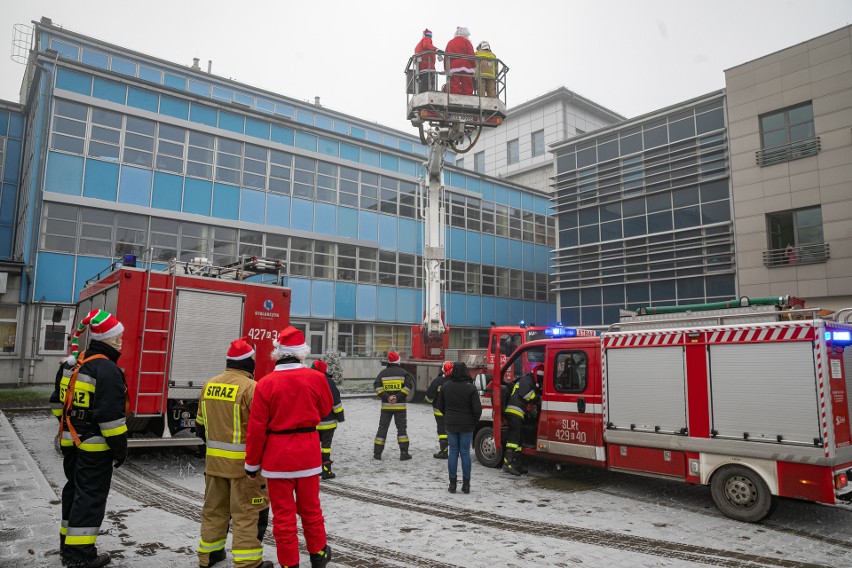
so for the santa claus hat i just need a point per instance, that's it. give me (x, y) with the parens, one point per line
(102, 325)
(321, 366)
(462, 31)
(240, 349)
(427, 32)
(393, 357)
(447, 368)
(538, 370)
(290, 339)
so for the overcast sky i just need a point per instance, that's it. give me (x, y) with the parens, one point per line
(631, 56)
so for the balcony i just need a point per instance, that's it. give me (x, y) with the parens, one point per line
(794, 256)
(788, 152)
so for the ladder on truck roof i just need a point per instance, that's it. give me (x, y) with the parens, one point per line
(242, 269)
(742, 310)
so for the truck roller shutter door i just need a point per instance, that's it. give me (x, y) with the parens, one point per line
(111, 301)
(765, 389)
(205, 325)
(645, 388)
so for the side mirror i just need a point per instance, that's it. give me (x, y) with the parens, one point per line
(481, 382)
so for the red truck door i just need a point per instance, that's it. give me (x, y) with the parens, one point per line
(571, 422)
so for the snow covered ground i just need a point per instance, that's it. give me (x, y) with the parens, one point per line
(393, 513)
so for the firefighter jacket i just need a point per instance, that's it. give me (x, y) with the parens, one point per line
(460, 45)
(524, 391)
(426, 62)
(487, 66)
(434, 390)
(98, 412)
(460, 404)
(393, 380)
(223, 412)
(288, 404)
(330, 420)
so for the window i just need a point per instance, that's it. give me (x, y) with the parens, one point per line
(228, 157)
(96, 232)
(348, 186)
(139, 142)
(69, 126)
(106, 134)
(795, 237)
(164, 238)
(199, 157)
(56, 327)
(326, 182)
(571, 368)
(131, 234)
(301, 253)
(279, 172)
(787, 135)
(60, 228)
(512, 152)
(479, 162)
(347, 262)
(537, 139)
(254, 166)
(170, 146)
(9, 328)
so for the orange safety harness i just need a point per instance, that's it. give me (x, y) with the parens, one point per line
(68, 403)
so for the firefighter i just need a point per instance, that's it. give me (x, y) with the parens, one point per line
(283, 445)
(486, 71)
(89, 400)
(393, 385)
(432, 397)
(222, 422)
(521, 394)
(329, 422)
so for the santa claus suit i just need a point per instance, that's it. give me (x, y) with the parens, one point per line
(461, 71)
(283, 444)
(426, 63)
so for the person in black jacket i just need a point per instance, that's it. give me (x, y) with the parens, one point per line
(89, 400)
(329, 422)
(393, 384)
(432, 398)
(459, 402)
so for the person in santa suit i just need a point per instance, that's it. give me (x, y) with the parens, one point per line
(428, 80)
(283, 445)
(461, 71)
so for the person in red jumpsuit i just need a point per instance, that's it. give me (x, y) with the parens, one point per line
(284, 446)
(461, 71)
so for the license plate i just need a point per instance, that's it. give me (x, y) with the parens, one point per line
(187, 423)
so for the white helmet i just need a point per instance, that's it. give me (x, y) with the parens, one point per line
(483, 45)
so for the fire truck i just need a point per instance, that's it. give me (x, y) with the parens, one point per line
(178, 324)
(750, 397)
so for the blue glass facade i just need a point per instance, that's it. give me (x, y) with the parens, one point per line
(11, 146)
(142, 154)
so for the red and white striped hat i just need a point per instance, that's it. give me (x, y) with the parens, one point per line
(240, 349)
(393, 357)
(102, 325)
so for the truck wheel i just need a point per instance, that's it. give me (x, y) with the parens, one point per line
(741, 494)
(486, 450)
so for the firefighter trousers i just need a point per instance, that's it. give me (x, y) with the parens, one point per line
(513, 437)
(245, 502)
(400, 418)
(442, 431)
(326, 436)
(84, 499)
(291, 496)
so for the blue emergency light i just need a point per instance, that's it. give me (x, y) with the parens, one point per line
(842, 337)
(560, 332)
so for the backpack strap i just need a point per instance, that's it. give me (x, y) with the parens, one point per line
(68, 403)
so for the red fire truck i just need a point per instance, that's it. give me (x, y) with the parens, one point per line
(751, 400)
(178, 325)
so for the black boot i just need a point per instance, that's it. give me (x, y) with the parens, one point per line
(519, 464)
(510, 461)
(96, 562)
(326, 470)
(404, 455)
(266, 564)
(321, 558)
(216, 556)
(465, 485)
(377, 451)
(452, 488)
(441, 454)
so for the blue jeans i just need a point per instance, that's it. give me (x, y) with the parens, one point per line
(459, 446)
